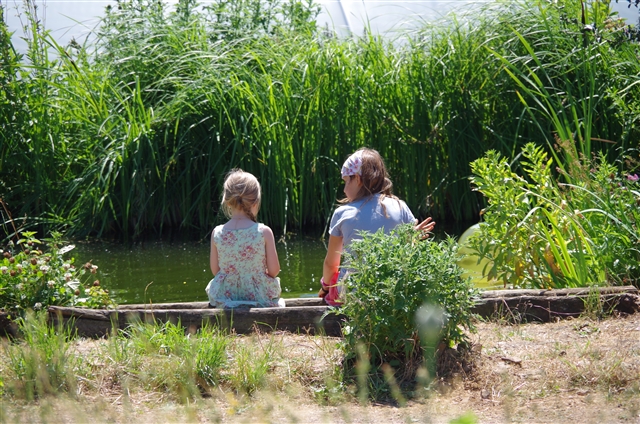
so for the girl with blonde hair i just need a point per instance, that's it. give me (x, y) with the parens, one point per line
(243, 254)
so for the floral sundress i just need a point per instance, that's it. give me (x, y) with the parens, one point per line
(242, 279)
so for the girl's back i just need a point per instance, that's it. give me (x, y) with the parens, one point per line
(370, 215)
(240, 251)
(242, 279)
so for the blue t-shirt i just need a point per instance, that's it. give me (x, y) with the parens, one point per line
(367, 215)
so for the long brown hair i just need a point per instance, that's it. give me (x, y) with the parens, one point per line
(241, 191)
(373, 176)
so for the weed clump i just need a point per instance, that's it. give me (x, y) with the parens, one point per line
(541, 232)
(406, 300)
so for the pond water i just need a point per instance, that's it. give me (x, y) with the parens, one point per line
(179, 272)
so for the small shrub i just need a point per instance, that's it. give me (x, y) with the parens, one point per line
(35, 274)
(393, 276)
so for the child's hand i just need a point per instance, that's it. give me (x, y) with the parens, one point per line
(322, 293)
(425, 227)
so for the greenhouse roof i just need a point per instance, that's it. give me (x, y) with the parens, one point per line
(69, 19)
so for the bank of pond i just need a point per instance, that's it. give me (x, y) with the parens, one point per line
(312, 315)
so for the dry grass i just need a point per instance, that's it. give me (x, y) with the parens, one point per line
(581, 369)
(543, 372)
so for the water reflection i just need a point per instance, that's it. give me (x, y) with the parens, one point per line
(179, 272)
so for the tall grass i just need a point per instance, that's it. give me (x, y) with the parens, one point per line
(563, 89)
(42, 363)
(135, 132)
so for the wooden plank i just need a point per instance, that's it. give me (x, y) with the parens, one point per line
(546, 308)
(580, 291)
(92, 323)
(303, 301)
(177, 305)
(92, 314)
(316, 301)
(306, 314)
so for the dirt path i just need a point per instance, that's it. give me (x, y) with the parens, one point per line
(583, 371)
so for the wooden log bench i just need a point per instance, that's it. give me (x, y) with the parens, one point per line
(546, 305)
(309, 314)
(299, 315)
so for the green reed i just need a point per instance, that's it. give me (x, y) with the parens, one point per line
(135, 133)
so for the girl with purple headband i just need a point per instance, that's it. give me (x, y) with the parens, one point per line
(369, 205)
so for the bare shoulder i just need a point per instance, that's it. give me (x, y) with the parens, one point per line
(266, 231)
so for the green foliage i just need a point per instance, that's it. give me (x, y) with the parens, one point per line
(134, 133)
(41, 362)
(250, 368)
(35, 274)
(466, 418)
(164, 339)
(11, 104)
(542, 233)
(162, 357)
(393, 276)
(211, 355)
(561, 78)
(166, 360)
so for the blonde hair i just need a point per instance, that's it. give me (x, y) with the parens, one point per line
(241, 191)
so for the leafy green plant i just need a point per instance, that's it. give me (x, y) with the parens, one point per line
(610, 202)
(542, 233)
(35, 274)
(393, 276)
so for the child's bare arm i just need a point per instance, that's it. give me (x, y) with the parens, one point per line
(213, 258)
(332, 259)
(273, 265)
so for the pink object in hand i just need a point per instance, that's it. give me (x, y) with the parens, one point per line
(333, 295)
